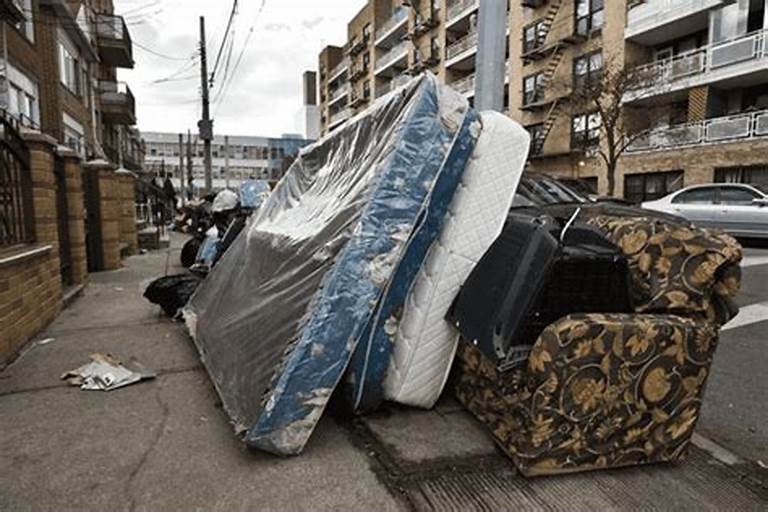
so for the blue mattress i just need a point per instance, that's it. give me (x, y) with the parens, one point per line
(328, 254)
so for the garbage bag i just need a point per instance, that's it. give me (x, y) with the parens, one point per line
(279, 316)
(172, 292)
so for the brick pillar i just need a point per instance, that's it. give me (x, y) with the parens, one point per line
(75, 213)
(109, 210)
(128, 234)
(48, 276)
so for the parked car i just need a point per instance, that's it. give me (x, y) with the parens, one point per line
(739, 209)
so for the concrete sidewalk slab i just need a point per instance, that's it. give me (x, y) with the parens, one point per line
(163, 445)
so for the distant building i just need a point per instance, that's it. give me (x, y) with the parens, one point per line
(249, 157)
(308, 117)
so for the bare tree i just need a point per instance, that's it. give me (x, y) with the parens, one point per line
(602, 92)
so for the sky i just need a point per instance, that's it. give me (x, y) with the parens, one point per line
(264, 91)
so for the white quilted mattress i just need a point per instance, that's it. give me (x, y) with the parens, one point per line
(425, 342)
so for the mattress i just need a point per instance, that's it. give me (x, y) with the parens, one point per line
(408, 356)
(279, 317)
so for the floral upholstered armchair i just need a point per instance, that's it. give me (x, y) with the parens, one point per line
(610, 390)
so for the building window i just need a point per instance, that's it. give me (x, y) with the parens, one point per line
(366, 61)
(22, 99)
(585, 130)
(590, 16)
(366, 32)
(69, 70)
(534, 36)
(533, 88)
(756, 176)
(74, 134)
(367, 89)
(27, 27)
(651, 186)
(588, 70)
(537, 133)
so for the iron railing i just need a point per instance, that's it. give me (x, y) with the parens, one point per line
(398, 15)
(465, 85)
(462, 45)
(16, 212)
(718, 56)
(338, 69)
(456, 8)
(737, 127)
(392, 55)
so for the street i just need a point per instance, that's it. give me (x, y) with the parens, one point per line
(166, 444)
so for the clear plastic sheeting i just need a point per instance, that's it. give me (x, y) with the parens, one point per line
(277, 320)
(253, 193)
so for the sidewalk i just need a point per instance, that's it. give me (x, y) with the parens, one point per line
(166, 444)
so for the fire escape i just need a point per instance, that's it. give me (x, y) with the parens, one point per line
(550, 46)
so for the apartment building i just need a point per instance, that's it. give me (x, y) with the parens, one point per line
(698, 114)
(249, 157)
(66, 208)
(389, 41)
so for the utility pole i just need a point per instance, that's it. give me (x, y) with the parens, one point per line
(491, 59)
(226, 161)
(190, 178)
(181, 169)
(205, 125)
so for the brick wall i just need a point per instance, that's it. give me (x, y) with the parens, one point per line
(128, 235)
(30, 280)
(75, 215)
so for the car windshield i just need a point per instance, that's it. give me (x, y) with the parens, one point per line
(542, 191)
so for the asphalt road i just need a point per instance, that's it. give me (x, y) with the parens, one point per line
(735, 412)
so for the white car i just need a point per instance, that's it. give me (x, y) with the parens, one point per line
(739, 209)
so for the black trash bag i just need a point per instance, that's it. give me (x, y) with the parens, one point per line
(172, 292)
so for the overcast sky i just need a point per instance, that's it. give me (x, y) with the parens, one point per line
(264, 94)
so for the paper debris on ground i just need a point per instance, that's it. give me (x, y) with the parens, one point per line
(45, 341)
(105, 372)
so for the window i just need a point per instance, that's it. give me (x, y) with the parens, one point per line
(366, 32)
(589, 16)
(533, 88)
(537, 133)
(756, 176)
(700, 196)
(69, 70)
(27, 27)
(434, 48)
(534, 36)
(737, 196)
(73, 134)
(587, 70)
(366, 61)
(651, 186)
(585, 130)
(367, 89)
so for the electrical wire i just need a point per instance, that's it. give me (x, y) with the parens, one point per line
(227, 32)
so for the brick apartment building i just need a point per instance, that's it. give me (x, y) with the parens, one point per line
(67, 145)
(703, 115)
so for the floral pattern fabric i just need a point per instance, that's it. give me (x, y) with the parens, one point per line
(610, 390)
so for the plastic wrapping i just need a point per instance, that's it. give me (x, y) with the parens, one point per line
(277, 320)
(253, 193)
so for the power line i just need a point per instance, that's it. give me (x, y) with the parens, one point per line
(158, 54)
(224, 40)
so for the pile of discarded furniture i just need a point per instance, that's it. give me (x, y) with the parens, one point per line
(581, 336)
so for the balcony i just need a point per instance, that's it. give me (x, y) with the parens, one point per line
(338, 70)
(656, 21)
(118, 107)
(392, 30)
(460, 51)
(12, 11)
(392, 61)
(339, 94)
(465, 85)
(339, 117)
(114, 40)
(393, 84)
(739, 62)
(734, 128)
(459, 10)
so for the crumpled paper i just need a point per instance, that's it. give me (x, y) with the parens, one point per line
(105, 372)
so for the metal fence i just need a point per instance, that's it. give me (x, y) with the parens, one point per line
(16, 213)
